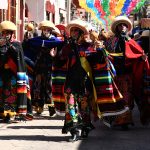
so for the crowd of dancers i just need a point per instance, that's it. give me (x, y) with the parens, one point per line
(79, 73)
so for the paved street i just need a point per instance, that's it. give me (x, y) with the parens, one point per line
(44, 133)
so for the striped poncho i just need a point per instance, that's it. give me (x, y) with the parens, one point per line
(14, 85)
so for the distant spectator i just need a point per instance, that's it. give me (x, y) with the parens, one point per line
(29, 31)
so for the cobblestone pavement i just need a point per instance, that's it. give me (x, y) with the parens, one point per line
(44, 133)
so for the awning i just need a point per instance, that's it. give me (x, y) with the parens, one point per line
(145, 23)
(50, 7)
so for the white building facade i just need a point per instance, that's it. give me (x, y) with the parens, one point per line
(53, 10)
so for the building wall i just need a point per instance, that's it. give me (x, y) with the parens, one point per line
(60, 12)
(79, 13)
(20, 19)
(14, 13)
(36, 10)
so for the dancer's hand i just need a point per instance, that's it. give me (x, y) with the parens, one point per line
(53, 52)
(99, 44)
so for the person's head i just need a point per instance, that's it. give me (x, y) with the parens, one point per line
(103, 35)
(121, 24)
(46, 27)
(76, 33)
(29, 27)
(122, 27)
(94, 36)
(77, 29)
(7, 29)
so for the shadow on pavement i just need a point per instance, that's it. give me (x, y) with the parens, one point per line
(38, 117)
(134, 139)
(104, 138)
(34, 127)
(35, 138)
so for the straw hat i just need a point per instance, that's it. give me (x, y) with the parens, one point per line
(90, 27)
(46, 24)
(56, 31)
(7, 25)
(145, 33)
(29, 27)
(79, 24)
(121, 19)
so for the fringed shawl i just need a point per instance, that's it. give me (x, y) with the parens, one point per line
(17, 65)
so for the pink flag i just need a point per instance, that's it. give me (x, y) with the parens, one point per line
(3, 4)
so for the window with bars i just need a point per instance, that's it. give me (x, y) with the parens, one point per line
(10, 13)
(2, 15)
(13, 10)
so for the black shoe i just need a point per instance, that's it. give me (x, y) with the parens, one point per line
(52, 111)
(84, 133)
(91, 126)
(74, 136)
(64, 130)
(7, 119)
